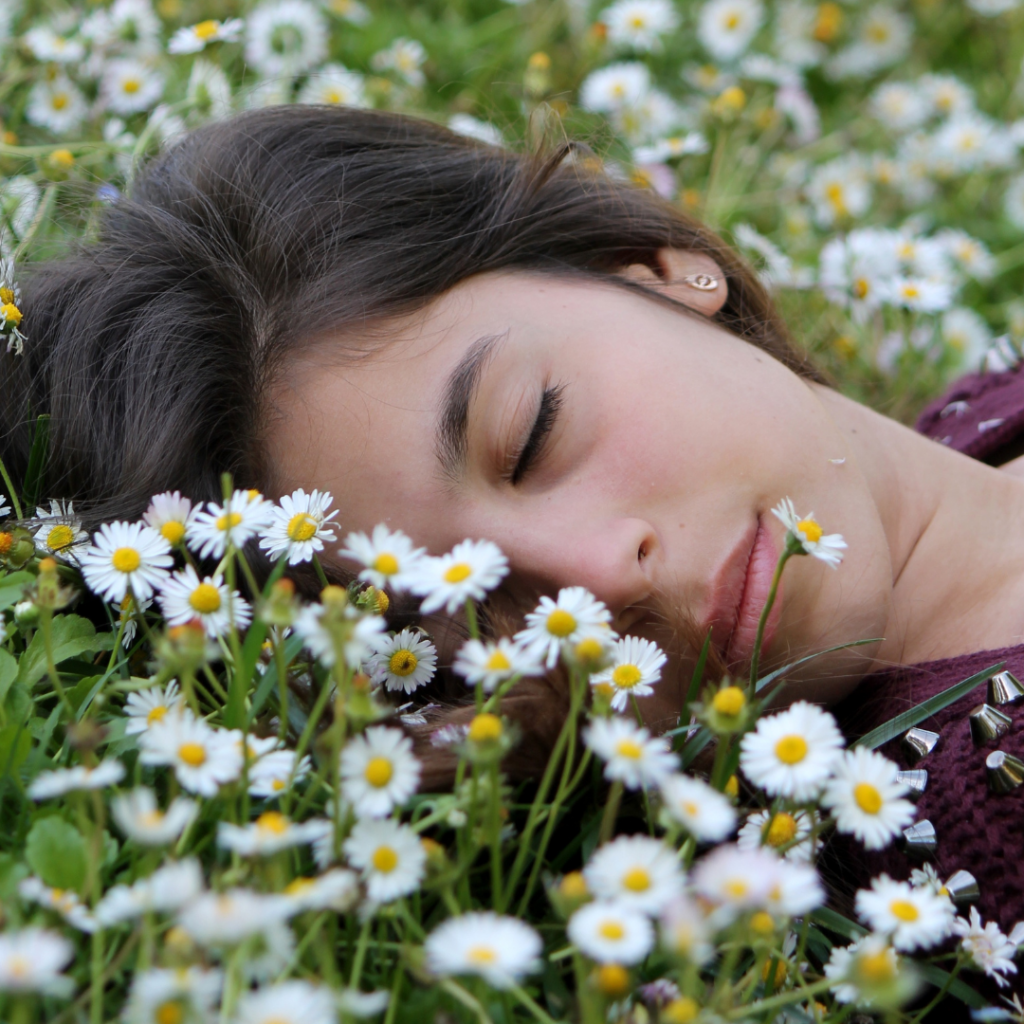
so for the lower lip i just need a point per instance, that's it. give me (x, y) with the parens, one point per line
(756, 586)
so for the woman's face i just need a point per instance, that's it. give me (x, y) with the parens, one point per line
(603, 439)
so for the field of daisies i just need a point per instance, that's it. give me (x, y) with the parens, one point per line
(211, 804)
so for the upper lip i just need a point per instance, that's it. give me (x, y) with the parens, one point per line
(727, 587)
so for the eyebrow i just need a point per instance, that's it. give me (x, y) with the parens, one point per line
(453, 423)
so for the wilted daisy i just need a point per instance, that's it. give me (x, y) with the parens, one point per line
(334, 85)
(193, 38)
(914, 918)
(866, 799)
(685, 932)
(641, 872)
(300, 526)
(184, 597)
(763, 828)
(130, 86)
(139, 817)
(378, 771)
(989, 949)
(31, 960)
(791, 753)
(242, 518)
(169, 888)
(403, 662)
(809, 535)
(203, 758)
(501, 950)
(466, 573)
(492, 662)
(285, 37)
(389, 558)
(636, 666)
(639, 24)
(335, 890)
(61, 532)
(631, 755)
(288, 1002)
(169, 514)
(275, 772)
(227, 918)
(405, 57)
(172, 994)
(704, 812)
(123, 557)
(389, 855)
(147, 707)
(565, 620)
(610, 932)
(727, 27)
(854, 970)
(270, 833)
(66, 780)
(65, 902)
(57, 105)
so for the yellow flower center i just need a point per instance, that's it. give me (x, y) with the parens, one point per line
(59, 100)
(193, 754)
(861, 287)
(301, 527)
(62, 158)
(277, 785)
(782, 829)
(6, 295)
(485, 728)
(626, 676)
(911, 291)
(630, 749)
(126, 560)
(612, 980)
(206, 29)
(60, 537)
(637, 880)
(732, 21)
(481, 955)
(729, 701)
(205, 599)
(878, 33)
(561, 623)
(791, 749)
(867, 798)
(170, 1012)
(385, 564)
(458, 572)
(732, 787)
(173, 532)
(735, 888)
(228, 521)
(384, 860)
(152, 819)
(690, 808)
(834, 194)
(298, 886)
(403, 663)
(810, 529)
(157, 714)
(378, 771)
(589, 649)
(612, 930)
(683, 1010)
(273, 821)
(904, 910)
(131, 86)
(876, 967)
(573, 886)
(762, 923)
(332, 96)
(19, 966)
(497, 662)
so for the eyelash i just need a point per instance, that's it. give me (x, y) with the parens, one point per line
(533, 446)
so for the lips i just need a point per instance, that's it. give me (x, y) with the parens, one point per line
(740, 590)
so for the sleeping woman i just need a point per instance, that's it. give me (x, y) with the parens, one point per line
(466, 342)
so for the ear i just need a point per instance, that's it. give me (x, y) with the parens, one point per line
(679, 276)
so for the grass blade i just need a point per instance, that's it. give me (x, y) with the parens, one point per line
(772, 676)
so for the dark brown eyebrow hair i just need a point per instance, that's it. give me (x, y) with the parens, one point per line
(453, 422)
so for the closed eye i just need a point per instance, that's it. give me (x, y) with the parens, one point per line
(543, 424)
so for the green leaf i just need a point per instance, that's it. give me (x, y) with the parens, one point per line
(932, 706)
(292, 646)
(72, 636)
(15, 744)
(55, 850)
(12, 588)
(833, 922)
(11, 873)
(33, 486)
(8, 673)
(936, 976)
(772, 676)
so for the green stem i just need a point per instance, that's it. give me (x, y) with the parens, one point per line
(611, 812)
(45, 626)
(530, 1004)
(782, 999)
(765, 612)
(12, 493)
(357, 962)
(96, 982)
(320, 574)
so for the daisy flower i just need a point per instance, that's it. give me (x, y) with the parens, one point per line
(389, 855)
(138, 817)
(684, 931)
(123, 557)
(611, 933)
(67, 780)
(203, 759)
(179, 993)
(212, 529)
(989, 949)
(616, 87)
(52, 48)
(31, 960)
(785, 828)
(809, 536)
(169, 514)
(501, 950)
(631, 755)
(57, 105)
(270, 833)
(378, 771)
(185, 597)
(288, 1002)
(565, 620)
(193, 38)
(866, 799)
(791, 754)
(855, 969)
(639, 24)
(358, 645)
(794, 889)
(405, 57)
(61, 533)
(275, 772)
(285, 38)
(638, 871)
(300, 525)
(168, 889)
(145, 708)
(466, 573)
(734, 879)
(130, 86)
(726, 28)
(704, 812)
(914, 918)
(335, 890)
(389, 558)
(405, 661)
(334, 85)
(489, 663)
(636, 667)
(63, 901)
(227, 918)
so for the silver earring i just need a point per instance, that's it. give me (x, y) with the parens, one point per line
(701, 282)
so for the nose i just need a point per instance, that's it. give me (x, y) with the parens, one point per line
(613, 558)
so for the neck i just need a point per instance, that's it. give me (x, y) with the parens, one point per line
(953, 527)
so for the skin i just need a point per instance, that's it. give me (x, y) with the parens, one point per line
(674, 439)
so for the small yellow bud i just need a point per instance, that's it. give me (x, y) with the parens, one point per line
(63, 159)
(762, 924)
(573, 886)
(539, 61)
(730, 701)
(680, 1011)
(485, 728)
(732, 787)
(47, 565)
(612, 980)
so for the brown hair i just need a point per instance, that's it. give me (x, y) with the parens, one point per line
(154, 346)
